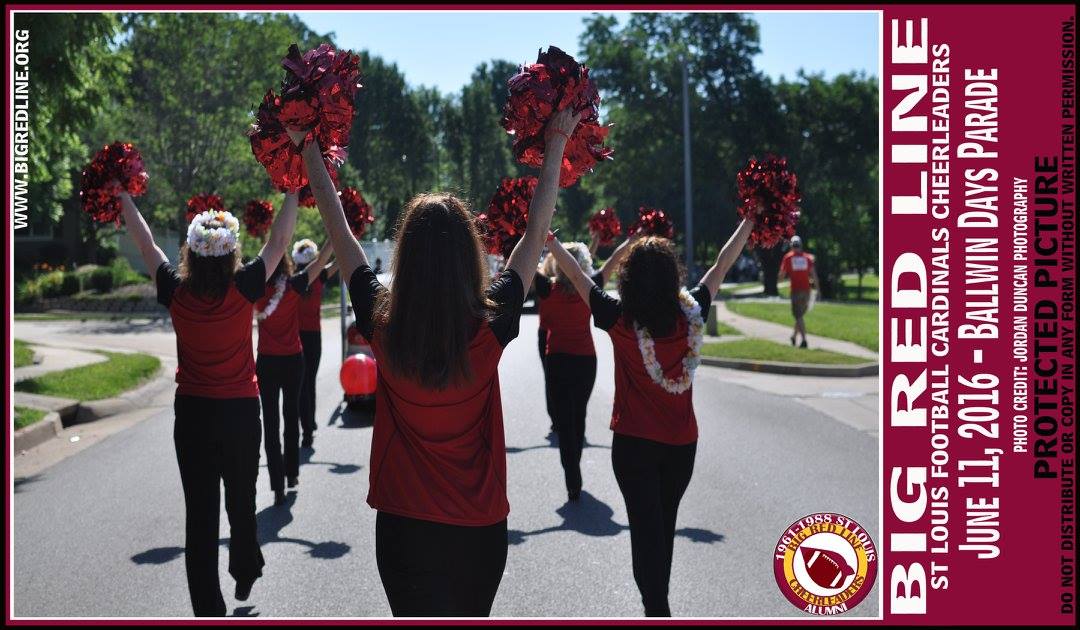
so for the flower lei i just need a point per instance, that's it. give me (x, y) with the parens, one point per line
(271, 306)
(695, 337)
(213, 240)
(304, 251)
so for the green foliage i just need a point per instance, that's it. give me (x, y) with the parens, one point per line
(24, 354)
(857, 323)
(25, 416)
(764, 350)
(102, 280)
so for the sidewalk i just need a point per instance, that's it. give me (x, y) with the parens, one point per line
(782, 334)
(50, 359)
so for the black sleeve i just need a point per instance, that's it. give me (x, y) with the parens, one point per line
(508, 293)
(597, 279)
(542, 285)
(299, 283)
(168, 279)
(323, 275)
(251, 279)
(701, 294)
(364, 289)
(606, 309)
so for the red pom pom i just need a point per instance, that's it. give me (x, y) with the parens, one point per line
(306, 197)
(272, 147)
(507, 215)
(358, 212)
(319, 90)
(605, 224)
(769, 184)
(537, 92)
(202, 202)
(652, 222)
(116, 167)
(258, 215)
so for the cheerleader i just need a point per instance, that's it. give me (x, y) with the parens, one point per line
(545, 271)
(211, 298)
(438, 456)
(656, 331)
(280, 368)
(311, 260)
(570, 357)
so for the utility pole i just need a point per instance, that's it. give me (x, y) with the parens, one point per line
(689, 203)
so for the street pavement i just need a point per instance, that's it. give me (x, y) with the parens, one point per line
(100, 533)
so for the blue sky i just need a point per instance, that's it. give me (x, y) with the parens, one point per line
(442, 48)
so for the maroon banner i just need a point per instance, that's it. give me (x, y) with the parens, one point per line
(978, 315)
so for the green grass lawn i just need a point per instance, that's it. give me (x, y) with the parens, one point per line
(763, 350)
(119, 374)
(848, 290)
(25, 416)
(857, 323)
(24, 356)
(730, 292)
(727, 330)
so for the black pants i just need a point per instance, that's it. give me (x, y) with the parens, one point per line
(312, 342)
(569, 382)
(282, 375)
(218, 440)
(432, 569)
(652, 477)
(541, 338)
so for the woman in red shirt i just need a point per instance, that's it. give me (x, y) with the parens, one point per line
(211, 300)
(308, 257)
(438, 456)
(569, 356)
(280, 368)
(656, 330)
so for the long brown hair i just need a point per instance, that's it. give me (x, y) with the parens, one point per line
(284, 266)
(649, 282)
(208, 277)
(437, 295)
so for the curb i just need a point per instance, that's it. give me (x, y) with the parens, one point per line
(797, 369)
(38, 433)
(92, 410)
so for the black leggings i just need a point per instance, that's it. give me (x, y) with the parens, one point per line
(284, 374)
(217, 440)
(312, 342)
(652, 477)
(569, 382)
(431, 569)
(541, 338)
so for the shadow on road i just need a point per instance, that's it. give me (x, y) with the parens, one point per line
(354, 418)
(271, 521)
(592, 517)
(335, 468)
(245, 611)
(552, 442)
(22, 482)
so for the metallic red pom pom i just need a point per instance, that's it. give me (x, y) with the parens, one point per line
(556, 81)
(605, 224)
(507, 215)
(197, 204)
(358, 212)
(258, 216)
(769, 185)
(652, 222)
(117, 166)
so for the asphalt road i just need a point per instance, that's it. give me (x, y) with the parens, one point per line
(100, 533)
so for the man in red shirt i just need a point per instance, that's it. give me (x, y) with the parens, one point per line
(799, 266)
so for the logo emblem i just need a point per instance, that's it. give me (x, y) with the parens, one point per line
(825, 563)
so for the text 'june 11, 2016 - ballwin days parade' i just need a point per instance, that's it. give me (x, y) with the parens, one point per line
(979, 376)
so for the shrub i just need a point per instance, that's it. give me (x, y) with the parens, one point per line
(102, 280)
(71, 283)
(123, 274)
(27, 292)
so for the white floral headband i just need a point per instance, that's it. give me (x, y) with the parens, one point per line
(213, 240)
(304, 251)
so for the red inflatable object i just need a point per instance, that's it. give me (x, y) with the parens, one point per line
(357, 375)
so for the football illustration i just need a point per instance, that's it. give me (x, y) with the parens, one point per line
(827, 569)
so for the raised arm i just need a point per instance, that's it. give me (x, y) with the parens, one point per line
(616, 258)
(315, 268)
(594, 243)
(523, 259)
(140, 233)
(571, 268)
(331, 269)
(281, 233)
(727, 257)
(349, 253)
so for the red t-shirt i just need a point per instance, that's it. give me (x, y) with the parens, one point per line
(642, 408)
(565, 317)
(797, 266)
(279, 332)
(213, 337)
(311, 305)
(440, 455)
